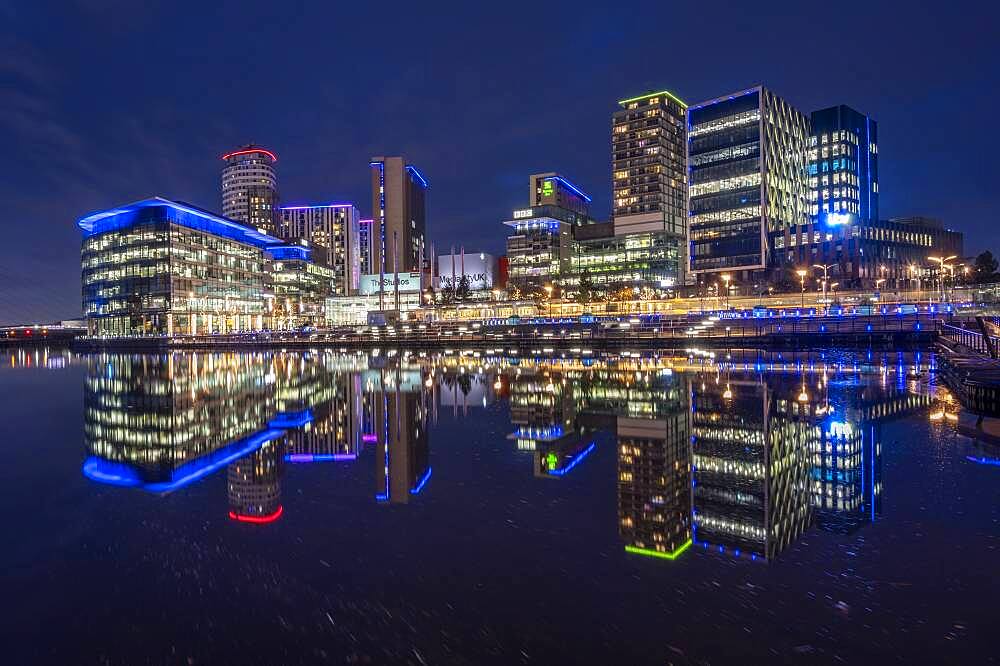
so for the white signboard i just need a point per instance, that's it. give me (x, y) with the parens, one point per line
(480, 269)
(409, 283)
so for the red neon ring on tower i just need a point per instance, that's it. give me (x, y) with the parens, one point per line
(269, 518)
(247, 151)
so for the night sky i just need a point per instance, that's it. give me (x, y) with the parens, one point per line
(103, 102)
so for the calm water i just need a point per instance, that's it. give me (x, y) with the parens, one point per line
(284, 508)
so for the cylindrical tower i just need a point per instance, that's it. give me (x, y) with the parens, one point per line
(250, 187)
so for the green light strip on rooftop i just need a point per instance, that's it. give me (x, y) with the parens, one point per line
(657, 553)
(662, 92)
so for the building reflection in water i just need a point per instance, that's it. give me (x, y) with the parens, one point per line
(722, 457)
(162, 422)
(402, 456)
(738, 459)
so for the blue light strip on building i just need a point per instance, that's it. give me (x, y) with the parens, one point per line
(127, 216)
(120, 474)
(868, 156)
(289, 252)
(571, 187)
(420, 484)
(416, 174)
(724, 98)
(981, 460)
(574, 462)
(384, 497)
(287, 420)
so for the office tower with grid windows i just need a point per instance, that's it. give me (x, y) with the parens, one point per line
(746, 181)
(648, 144)
(843, 167)
(334, 233)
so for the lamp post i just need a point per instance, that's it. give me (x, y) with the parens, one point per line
(726, 277)
(802, 282)
(825, 268)
(943, 264)
(548, 296)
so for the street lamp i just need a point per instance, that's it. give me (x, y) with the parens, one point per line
(548, 296)
(825, 268)
(726, 277)
(802, 281)
(943, 263)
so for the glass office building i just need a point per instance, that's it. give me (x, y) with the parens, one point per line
(158, 267)
(539, 249)
(746, 180)
(299, 288)
(843, 166)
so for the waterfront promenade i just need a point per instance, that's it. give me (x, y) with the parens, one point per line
(543, 335)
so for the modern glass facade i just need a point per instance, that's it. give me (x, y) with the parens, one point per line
(298, 288)
(843, 167)
(866, 254)
(158, 267)
(635, 260)
(746, 179)
(539, 250)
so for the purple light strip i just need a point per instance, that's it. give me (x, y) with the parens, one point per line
(333, 205)
(319, 457)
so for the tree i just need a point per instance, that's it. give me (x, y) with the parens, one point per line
(462, 292)
(986, 267)
(585, 291)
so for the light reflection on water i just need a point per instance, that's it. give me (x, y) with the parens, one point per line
(731, 459)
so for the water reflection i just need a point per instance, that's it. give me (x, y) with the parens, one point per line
(738, 457)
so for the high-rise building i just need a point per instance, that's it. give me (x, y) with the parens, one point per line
(398, 199)
(333, 231)
(250, 187)
(366, 247)
(746, 180)
(843, 167)
(648, 144)
(843, 231)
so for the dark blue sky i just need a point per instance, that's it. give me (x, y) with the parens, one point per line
(104, 102)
